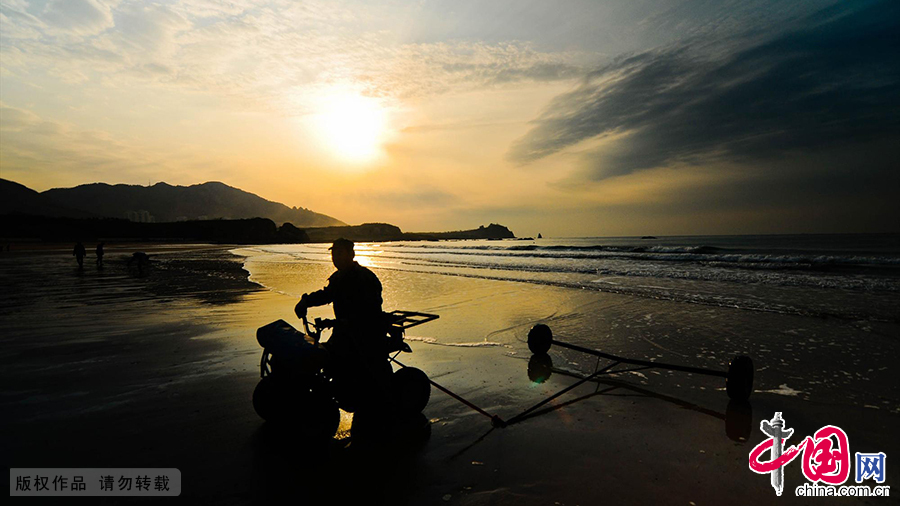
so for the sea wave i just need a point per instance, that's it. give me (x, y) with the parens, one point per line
(475, 344)
(855, 277)
(776, 274)
(656, 253)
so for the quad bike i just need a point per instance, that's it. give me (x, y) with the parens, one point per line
(302, 386)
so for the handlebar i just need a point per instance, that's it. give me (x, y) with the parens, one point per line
(318, 325)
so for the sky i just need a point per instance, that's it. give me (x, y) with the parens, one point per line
(566, 118)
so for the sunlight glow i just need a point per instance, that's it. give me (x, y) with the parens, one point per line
(352, 126)
(365, 254)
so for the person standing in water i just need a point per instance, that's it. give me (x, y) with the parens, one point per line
(100, 255)
(79, 254)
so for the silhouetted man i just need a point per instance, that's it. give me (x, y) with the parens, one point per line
(79, 253)
(357, 344)
(100, 255)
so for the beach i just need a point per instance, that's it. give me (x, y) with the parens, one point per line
(118, 368)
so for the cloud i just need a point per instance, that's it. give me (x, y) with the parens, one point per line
(261, 55)
(829, 82)
(16, 120)
(34, 149)
(17, 23)
(148, 30)
(417, 70)
(82, 17)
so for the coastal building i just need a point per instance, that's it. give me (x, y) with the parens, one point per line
(140, 216)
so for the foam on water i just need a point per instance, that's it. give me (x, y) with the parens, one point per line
(817, 313)
(431, 340)
(782, 390)
(799, 277)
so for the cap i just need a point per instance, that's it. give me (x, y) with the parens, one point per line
(342, 244)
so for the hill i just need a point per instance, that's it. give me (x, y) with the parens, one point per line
(160, 203)
(61, 229)
(367, 232)
(383, 232)
(492, 231)
(21, 227)
(211, 211)
(19, 199)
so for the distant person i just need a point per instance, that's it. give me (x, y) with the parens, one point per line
(79, 254)
(357, 342)
(100, 254)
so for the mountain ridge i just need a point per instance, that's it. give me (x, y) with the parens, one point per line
(210, 211)
(161, 202)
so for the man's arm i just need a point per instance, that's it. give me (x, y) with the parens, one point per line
(320, 297)
(317, 298)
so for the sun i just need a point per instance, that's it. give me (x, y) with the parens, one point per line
(352, 126)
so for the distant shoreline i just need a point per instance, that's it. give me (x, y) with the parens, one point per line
(42, 229)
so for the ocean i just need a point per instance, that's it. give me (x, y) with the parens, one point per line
(819, 314)
(172, 349)
(841, 276)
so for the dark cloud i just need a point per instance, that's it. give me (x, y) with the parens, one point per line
(503, 72)
(832, 80)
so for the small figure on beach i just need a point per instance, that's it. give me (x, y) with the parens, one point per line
(100, 254)
(356, 344)
(79, 253)
(141, 259)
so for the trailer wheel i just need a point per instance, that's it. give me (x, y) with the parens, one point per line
(296, 405)
(540, 338)
(265, 398)
(411, 388)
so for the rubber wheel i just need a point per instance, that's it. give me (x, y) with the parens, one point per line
(412, 390)
(540, 338)
(739, 382)
(266, 397)
(296, 405)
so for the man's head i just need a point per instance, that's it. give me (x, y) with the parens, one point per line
(342, 253)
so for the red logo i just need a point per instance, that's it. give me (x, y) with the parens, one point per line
(826, 454)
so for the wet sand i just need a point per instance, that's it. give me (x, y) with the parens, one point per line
(116, 368)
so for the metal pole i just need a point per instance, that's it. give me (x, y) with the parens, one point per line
(682, 368)
(496, 421)
(521, 415)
